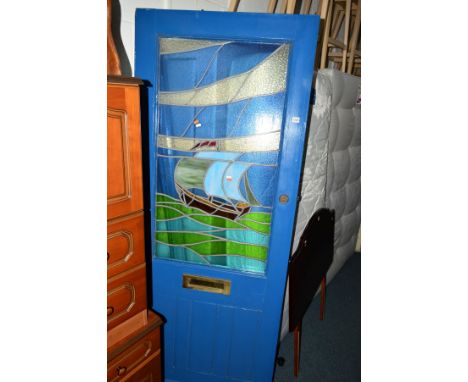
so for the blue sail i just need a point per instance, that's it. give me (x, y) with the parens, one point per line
(231, 180)
(222, 179)
(213, 182)
(217, 155)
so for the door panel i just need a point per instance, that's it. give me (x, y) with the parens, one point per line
(213, 340)
(227, 124)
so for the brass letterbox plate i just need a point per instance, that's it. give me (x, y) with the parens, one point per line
(207, 284)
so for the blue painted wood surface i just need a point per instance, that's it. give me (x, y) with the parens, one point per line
(214, 337)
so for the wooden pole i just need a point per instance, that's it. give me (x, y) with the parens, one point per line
(233, 5)
(290, 7)
(323, 291)
(326, 36)
(346, 34)
(354, 38)
(284, 4)
(297, 347)
(305, 9)
(337, 21)
(272, 6)
(323, 8)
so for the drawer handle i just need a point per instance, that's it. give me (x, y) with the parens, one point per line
(110, 310)
(121, 370)
(108, 256)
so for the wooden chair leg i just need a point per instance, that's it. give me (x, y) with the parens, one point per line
(297, 348)
(272, 6)
(323, 291)
(283, 6)
(291, 6)
(233, 5)
(305, 7)
(326, 36)
(354, 37)
(323, 8)
(338, 18)
(346, 35)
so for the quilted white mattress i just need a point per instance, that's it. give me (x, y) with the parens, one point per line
(343, 188)
(332, 168)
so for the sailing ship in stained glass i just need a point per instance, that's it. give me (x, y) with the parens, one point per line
(208, 171)
(220, 106)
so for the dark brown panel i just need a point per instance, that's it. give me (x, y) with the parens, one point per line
(113, 61)
(310, 263)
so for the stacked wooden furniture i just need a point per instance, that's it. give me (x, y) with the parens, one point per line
(133, 332)
(339, 39)
(343, 18)
(286, 6)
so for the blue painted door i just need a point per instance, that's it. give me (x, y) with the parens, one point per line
(228, 101)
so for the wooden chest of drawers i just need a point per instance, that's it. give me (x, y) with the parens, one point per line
(133, 333)
(124, 169)
(125, 244)
(126, 295)
(138, 357)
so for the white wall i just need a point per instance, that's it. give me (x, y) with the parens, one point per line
(127, 7)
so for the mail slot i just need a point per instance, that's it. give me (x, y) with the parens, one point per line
(207, 284)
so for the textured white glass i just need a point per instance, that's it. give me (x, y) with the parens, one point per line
(180, 45)
(260, 142)
(268, 77)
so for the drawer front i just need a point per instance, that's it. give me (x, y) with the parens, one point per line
(148, 372)
(125, 244)
(139, 359)
(124, 171)
(126, 295)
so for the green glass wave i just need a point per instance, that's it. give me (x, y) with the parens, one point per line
(216, 221)
(183, 208)
(260, 227)
(166, 198)
(167, 213)
(261, 217)
(163, 213)
(230, 248)
(257, 221)
(183, 238)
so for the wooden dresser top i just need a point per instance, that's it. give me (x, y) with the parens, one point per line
(122, 80)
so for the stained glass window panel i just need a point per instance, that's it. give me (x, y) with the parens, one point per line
(220, 107)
